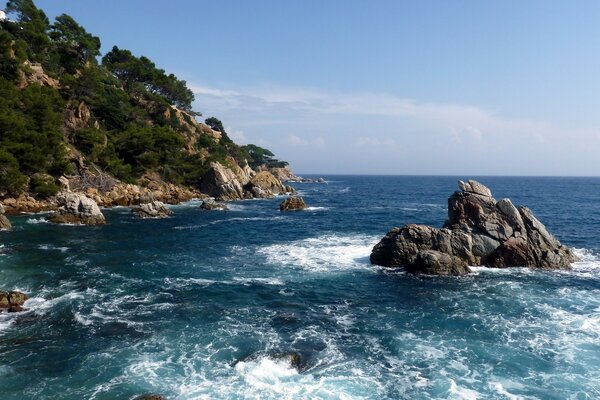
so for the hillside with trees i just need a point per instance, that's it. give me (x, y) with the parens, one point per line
(66, 108)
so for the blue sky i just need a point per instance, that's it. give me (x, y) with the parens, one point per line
(381, 87)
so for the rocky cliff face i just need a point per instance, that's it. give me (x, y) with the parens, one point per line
(235, 183)
(479, 231)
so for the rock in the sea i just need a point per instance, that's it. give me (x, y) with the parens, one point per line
(265, 184)
(12, 301)
(293, 203)
(75, 208)
(222, 183)
(150, 397)
(153, 209)
(211, 204)
(4, 222)
(479, 231)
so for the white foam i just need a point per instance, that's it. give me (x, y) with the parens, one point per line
(316, 208)
(51, 247)
(264, 281)
(323, 253)
(457, 392)
(40, 220)
(499, 388)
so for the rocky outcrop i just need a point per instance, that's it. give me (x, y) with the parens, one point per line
(27, 204)
(222, 183)
(153, 209)
(75, 208)
(479, 231)
(211, 204)
(235, 183)
(12, 301)
(285, 174)
(293, 203)
(265, 185)
(34, 73)
(4, 222)
(77, 116)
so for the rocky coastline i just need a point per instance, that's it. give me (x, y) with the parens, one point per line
(480, 231)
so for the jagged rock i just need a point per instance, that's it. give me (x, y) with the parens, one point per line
(432, 262)
(479, 231)
(211, 204)
(222, 183)
(153, 209)
(293, 203)
(267, 182)
(12, 301)
(75, 208)
(77, 116)
(4, 222)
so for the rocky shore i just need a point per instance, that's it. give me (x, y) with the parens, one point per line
(480, 231)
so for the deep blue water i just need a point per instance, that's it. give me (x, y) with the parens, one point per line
(171, 306)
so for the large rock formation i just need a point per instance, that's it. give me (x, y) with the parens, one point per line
(235, 183)
(293, 203)
(210, 204)
(479, 231)
(12, 301)
(4, 222)
(75, 208)
(222, 183)
(265, 185)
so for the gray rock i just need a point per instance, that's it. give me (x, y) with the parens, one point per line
(155, 209)
(211, 204)
(479, 231)
(4, 222)
(432, 262)
(76, 208)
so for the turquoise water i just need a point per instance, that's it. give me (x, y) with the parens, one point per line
(200, 305)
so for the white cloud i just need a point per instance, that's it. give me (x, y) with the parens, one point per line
(455, 137)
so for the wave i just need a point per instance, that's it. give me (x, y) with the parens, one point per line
(40, 220)
(323, 253)
(222, 221)
(316, 208)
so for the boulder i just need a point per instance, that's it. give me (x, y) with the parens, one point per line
(12, 301)
(76, 208)
(293, 203)
(222, 183)
(479, 231)
(211, 204)
(153, 209)
(265, 182)
(4, 222)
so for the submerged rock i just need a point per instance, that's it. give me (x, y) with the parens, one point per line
(75, 208)
(211, 204)
(4, 222)
(153, 209)
(12, 301)
(479, 231)
(150, 397)
(293, 203)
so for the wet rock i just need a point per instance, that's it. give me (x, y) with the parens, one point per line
(12, 301)
(265, 182)
(222, 183)
(4, 222)
(479, 231)
(293, 203)
(150, 397)
(153, 209)
(211, 204)
(75, 208)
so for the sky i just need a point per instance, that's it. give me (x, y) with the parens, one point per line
(381, 87)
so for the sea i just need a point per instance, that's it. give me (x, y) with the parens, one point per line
(211, 304)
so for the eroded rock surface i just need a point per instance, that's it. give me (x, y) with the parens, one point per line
(153, 209)
(75, 208)
(293, 203)
(12, 301)
(479, 231)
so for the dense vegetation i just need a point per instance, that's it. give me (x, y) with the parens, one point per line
(130, 128)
